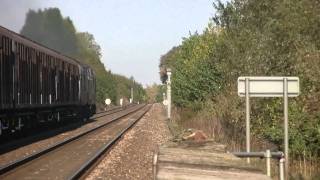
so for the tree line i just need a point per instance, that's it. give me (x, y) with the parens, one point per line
(50, 28)
(253, 38)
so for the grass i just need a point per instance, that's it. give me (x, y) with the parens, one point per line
(210, 121)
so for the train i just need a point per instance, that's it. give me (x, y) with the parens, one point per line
(39, 84)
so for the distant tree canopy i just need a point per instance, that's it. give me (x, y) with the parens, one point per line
(124, 88)
(254, 38)
(50, 28)
(155, 93)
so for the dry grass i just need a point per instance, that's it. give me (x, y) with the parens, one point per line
(212, 121)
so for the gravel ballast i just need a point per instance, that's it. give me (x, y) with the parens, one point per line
(132, 156)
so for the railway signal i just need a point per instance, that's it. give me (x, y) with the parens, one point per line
(169, 92)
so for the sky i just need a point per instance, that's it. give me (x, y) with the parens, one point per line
(132, 34)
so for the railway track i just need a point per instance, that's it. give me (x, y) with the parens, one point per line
(115, 108)
(14, 144)
(110, 111)
(71, 158)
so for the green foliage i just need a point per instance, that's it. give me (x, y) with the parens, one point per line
(195, 78)
(124, 86)
(49, 28)
(161, 93)
(253, 38)
(155, 93)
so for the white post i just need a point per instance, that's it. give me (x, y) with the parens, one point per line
(163, 96)
(132, 94)
(169, 92)
(268, 160)
(286, 136)
(247, 118)
(281, 173)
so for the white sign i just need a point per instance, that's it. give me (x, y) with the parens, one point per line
(121, 101)
(165, 102)
(107, 101)
(268, 86)
(130, 100)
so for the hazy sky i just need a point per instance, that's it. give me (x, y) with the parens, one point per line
(133, 34)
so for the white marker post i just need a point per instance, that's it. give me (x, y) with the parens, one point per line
(286, 135)
(247, 118)
(121, 102)
(131, 99)
(269, 87)
(165, 102)
(108, 102)
(169, 92)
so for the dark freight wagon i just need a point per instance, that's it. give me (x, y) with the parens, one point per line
(40, 84)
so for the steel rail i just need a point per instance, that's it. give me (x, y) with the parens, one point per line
(11, 146)
(24, 160)
(116, 108)
(85, 167)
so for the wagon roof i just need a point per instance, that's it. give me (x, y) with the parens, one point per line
(18, 37)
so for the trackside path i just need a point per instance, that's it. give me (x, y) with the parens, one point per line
(132, 157)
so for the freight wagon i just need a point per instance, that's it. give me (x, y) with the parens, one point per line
(38, 84)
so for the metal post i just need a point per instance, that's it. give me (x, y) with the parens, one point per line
(169, 92)
(268, 159)
(281, 169)
(155, 161)
(286, 136)
(132, 94)
(247, 118)
(268, 155)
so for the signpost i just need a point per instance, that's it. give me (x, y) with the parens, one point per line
(269, 87)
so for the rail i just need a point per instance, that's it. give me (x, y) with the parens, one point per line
(36, 155)
(267, 155)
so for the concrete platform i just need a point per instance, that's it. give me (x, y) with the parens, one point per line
(201, 161)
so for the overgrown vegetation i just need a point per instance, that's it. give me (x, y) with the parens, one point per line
(253, 38)
(50, 28)
(155, 93)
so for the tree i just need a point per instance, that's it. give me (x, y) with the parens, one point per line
(49, 28)
(252, 38)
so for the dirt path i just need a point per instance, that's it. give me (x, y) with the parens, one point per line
(132, 156)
